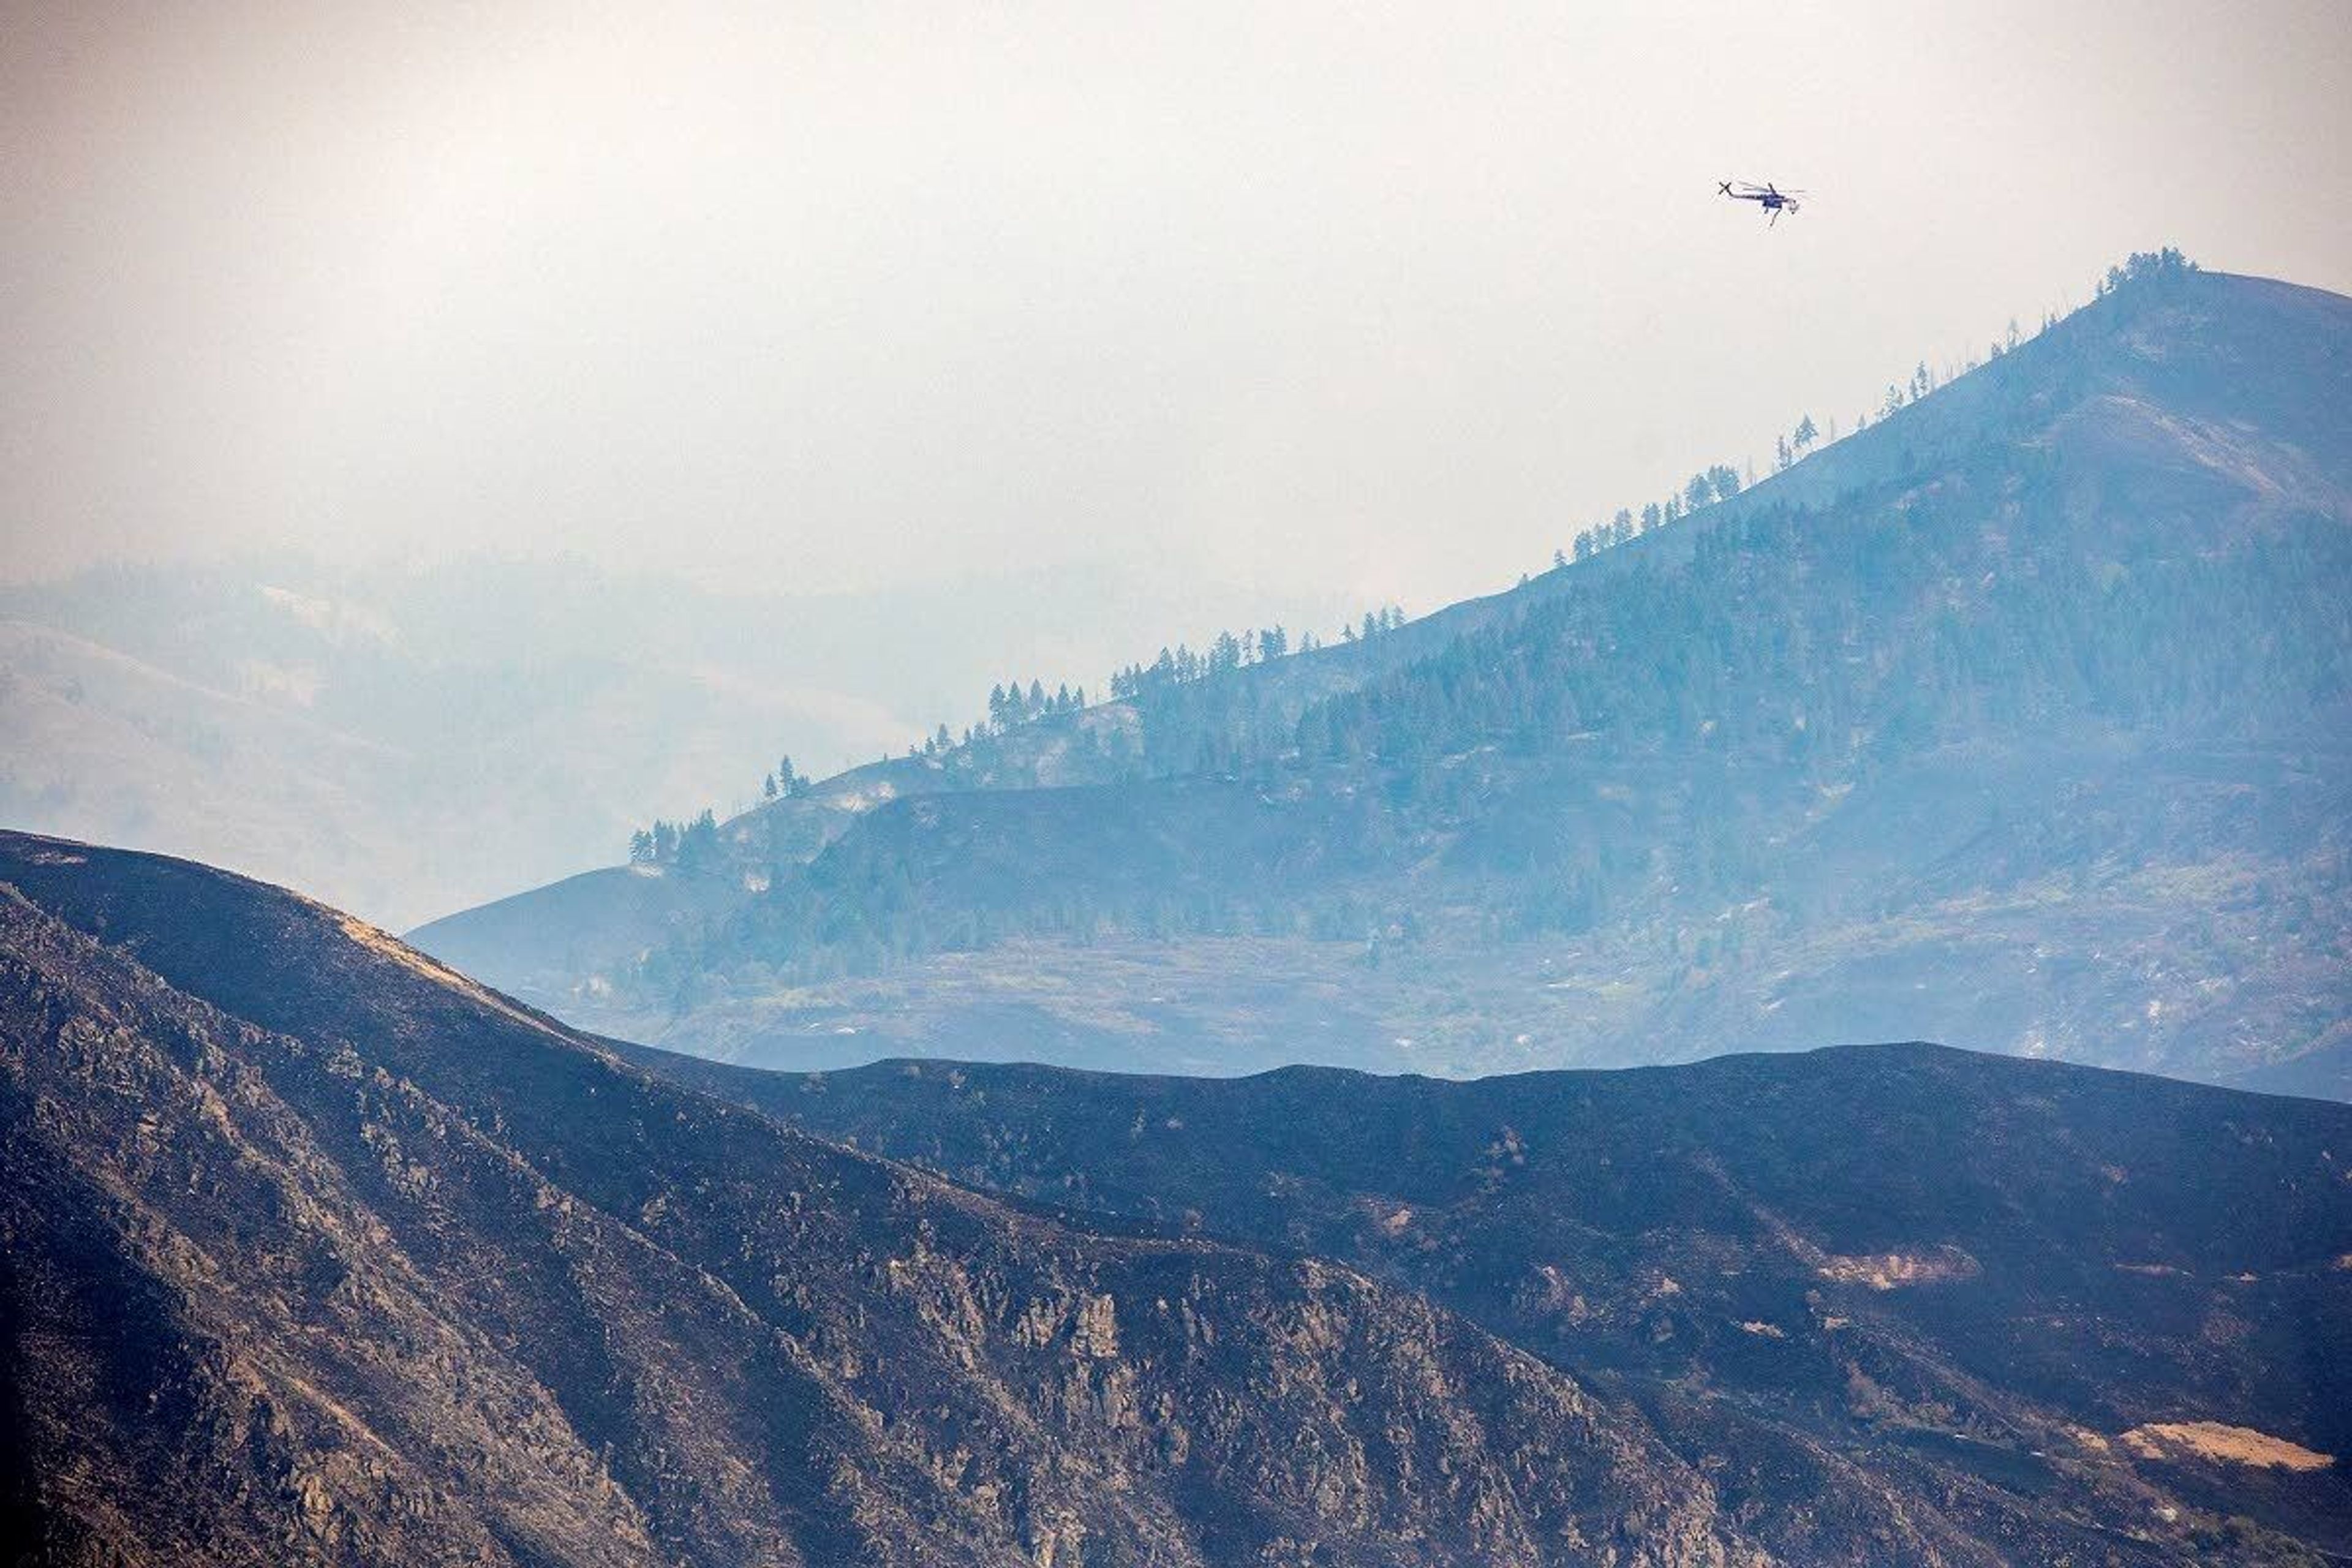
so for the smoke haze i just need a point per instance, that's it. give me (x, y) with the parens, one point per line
(1362, 302)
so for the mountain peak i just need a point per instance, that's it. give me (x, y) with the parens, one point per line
(1808, 764)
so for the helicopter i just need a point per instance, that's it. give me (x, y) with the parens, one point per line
(1771, 197)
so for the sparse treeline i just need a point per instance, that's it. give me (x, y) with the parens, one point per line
(1721, 482)
(1009, 705)
(2152, 268)
(784, 782)
(690, 845)
(693, 846)
(1236, 650)
(1012, 704)
(2147, 267)
(1156, 690)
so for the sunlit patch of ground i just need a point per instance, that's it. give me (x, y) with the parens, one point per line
(1894, 1270)
(385, 945)
(2212, 1441)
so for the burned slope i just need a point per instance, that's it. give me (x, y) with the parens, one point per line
(320, 1252)
(1919, 1262)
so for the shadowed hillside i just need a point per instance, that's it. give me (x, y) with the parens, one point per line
(318, 1251)
(1891, 1254)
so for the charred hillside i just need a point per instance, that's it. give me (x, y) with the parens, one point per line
(1882, 1249)
(318, 1251)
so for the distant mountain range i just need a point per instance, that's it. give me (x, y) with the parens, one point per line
(409, 740)
(318, 1251)
(403, 743)
(2018, 720)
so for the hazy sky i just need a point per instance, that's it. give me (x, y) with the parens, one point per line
(1384, 299)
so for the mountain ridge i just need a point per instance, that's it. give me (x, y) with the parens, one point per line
(1729, 735)
(2025, 1247)
(478, 1287)
(417, 1273)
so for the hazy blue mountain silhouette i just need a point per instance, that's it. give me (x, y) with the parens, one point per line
(2016, 721)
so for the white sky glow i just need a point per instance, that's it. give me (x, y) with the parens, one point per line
(1380, 300)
